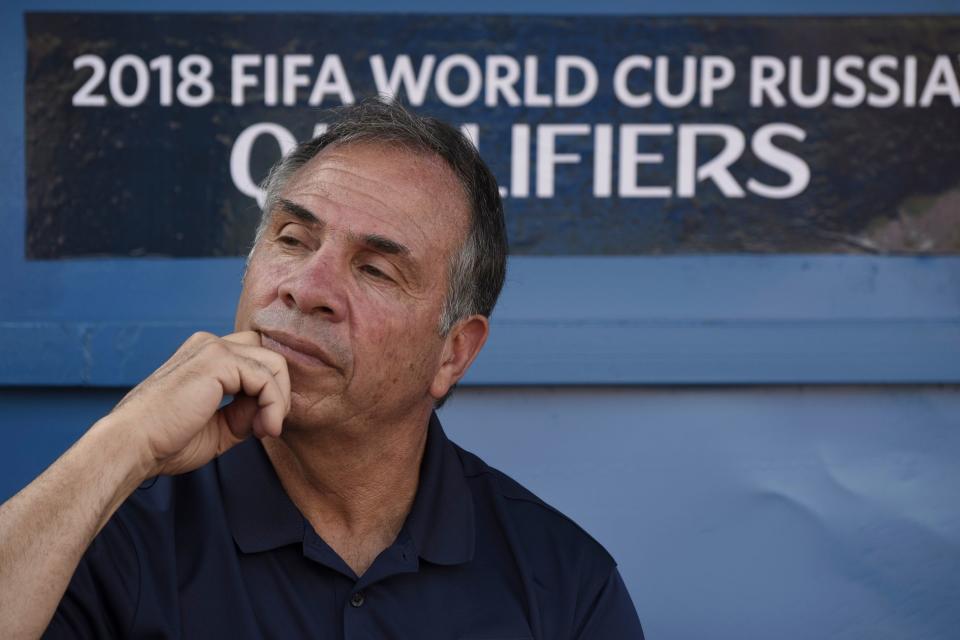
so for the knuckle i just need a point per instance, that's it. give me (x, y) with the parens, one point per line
(199, 337)
(258, 369)
(192, 344)
(215, 349)
(253, 362)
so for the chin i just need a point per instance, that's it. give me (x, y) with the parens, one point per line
(312, 411)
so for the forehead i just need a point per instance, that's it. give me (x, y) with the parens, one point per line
(390, 190)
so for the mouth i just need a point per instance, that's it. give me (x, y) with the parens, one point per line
(296, 350)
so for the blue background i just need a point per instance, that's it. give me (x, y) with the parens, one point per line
(767, 444)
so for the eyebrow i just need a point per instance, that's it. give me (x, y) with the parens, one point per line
(371, 240)
(302, 213)
(385, 245)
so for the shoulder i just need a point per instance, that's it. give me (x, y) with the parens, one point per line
(547, 535)
(571, 582)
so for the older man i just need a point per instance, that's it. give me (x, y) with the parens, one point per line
(378, 260)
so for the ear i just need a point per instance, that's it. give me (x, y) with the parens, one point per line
(460, 347)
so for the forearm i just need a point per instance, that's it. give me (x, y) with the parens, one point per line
(46, 528)
(170, 423)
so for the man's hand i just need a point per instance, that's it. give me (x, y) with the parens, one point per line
(177, 410)
(170, 423)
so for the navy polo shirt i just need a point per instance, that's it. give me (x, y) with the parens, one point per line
(222, 552)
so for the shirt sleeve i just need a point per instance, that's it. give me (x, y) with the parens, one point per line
(611, 614)
(101, 599)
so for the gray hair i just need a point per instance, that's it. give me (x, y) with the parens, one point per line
(477, 270)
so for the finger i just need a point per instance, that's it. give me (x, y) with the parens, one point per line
(257, 380)
(251, 338)
(193, 344)
(247, 369)
(273, 361)
(249, 344)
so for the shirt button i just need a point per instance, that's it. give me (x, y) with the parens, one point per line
(357, 599)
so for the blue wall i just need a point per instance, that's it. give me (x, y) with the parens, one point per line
(737, 509)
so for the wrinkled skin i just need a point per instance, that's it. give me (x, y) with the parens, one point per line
(360, 322)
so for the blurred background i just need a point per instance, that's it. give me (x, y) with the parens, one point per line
(729, 343)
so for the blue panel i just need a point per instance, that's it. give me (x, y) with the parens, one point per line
(711, 320)
(105, 354)
(38, 425)
(708, 319)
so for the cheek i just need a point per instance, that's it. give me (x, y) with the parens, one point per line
(259, 290)
(401, 349)
(264, 275)
(260, 284)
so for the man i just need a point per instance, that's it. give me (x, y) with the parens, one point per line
(376, 265)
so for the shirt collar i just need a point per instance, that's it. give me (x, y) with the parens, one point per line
(262, 516)
(260, 513)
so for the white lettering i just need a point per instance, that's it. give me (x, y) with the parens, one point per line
(548, 158)
(474, 80)
(566, 64)
(716, 74)
(332, 78)
(240, 79)
(878, 77)
(661, 82)
(603, 161)
(414, 85)
(292, 78)
(844, 78)
(716, 168)
(240, 156)
(530, 75)
(766, 75)
(504, 85)
(621, 77)
(630, 158)
(520, 161)
(942, 81)
(910, 81)
(822, 90)
(796, 169)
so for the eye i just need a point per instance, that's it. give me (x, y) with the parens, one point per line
(289, 241)
(371, 270)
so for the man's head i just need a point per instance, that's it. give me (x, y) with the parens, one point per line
(382, 248)
(479, 267)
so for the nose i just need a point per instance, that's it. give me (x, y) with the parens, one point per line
(316, 287)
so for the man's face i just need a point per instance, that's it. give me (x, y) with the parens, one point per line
(349, 278)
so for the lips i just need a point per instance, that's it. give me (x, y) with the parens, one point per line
(296, 349)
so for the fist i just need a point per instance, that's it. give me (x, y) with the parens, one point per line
(177, 414)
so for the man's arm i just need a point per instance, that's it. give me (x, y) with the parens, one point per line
(171, 423)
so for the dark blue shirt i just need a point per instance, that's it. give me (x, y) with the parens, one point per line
(222, 552)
